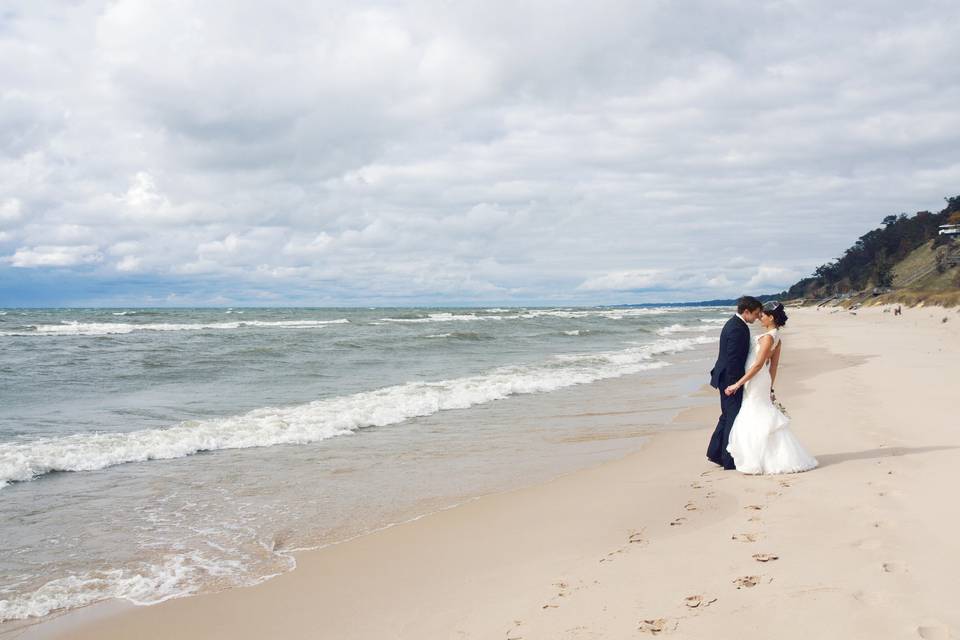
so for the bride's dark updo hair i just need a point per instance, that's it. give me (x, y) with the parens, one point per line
(775, 309)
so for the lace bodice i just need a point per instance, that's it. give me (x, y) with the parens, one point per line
(755, 345)
(773, 332)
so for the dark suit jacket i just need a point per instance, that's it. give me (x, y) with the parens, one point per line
(732, 359)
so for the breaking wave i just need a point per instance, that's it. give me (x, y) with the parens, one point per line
(323, 419)
(113, 328)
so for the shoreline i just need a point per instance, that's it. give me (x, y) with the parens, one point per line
(656, 541)
(608, 435)
(65, 622)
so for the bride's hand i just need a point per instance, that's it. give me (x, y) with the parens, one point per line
(732, 389)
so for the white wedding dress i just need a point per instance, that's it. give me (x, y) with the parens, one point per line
(760, 440)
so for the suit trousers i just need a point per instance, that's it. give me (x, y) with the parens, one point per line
(729, 408)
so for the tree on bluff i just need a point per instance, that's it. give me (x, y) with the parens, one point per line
(870, 261)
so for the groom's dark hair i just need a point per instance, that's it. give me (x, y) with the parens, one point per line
(748, 303)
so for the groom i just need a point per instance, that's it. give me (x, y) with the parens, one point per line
(730, 367)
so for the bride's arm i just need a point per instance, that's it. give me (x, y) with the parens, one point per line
(766, 343)
(774, 362)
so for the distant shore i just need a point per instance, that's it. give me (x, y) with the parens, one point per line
(661, 541)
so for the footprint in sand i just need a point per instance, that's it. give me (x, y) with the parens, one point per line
(746, 582)
(934, 631)
(610, 556)
(753, 507)
(698, 601)
(579, 632)
(696, 485)
(636, 537)
(891, 567)
(690, 506)
(676, 522)
(744, 537)
(765, 557)
(657, 626)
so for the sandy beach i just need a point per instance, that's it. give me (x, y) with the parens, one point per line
(661, 542)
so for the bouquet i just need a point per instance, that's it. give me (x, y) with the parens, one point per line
(779, 405)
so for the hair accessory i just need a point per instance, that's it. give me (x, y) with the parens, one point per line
(772, 305)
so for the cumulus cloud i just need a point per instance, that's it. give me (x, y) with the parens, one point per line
(128, 263)
(767, 277)
(623, 281)
(330, 152)
(10, 211)
(55, 256)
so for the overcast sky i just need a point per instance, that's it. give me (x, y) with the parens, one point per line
(232, 152)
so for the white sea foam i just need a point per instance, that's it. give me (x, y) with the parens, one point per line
(72, 328)
(442, 317)
(150, 585)
(322, 419)
(174, 576)
(686, 328)
(609, 314)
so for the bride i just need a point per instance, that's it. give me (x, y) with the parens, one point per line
(760, 439)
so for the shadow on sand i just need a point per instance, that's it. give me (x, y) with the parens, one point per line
(828, 459)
